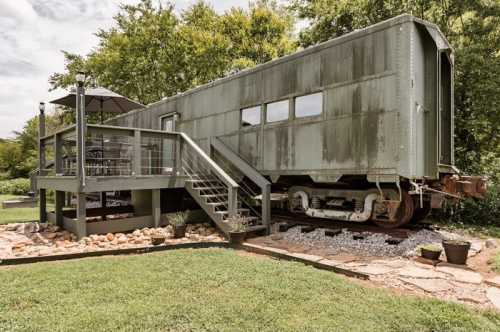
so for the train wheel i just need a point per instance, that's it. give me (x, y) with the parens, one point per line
(420, 213)
(403, 215)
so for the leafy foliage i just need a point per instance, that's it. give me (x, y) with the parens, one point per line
(154, 52)
(18, 186)
(472, 27)
(481, 212)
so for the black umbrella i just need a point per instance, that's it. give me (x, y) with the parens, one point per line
(100, 100)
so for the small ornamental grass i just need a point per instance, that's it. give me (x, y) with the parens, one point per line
(178, 218)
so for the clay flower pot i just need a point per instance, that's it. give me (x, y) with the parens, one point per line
(179, 231)
(432, 254)
(156, 240)
(456, 251)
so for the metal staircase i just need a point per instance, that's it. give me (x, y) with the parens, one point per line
(218, 194)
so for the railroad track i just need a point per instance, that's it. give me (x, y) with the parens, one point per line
(294, 219)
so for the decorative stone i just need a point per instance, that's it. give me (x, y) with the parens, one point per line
(493, 294)
(110, 237)
(429, 285)
(375, 269)
(490, 244)
(495, 281)
(419, 273)
(460, 274)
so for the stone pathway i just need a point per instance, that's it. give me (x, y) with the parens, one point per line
(34, 239)
(444, 281)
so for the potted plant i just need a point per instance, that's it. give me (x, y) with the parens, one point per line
(456, 251)
(431, 251)
(157, 239)
(238, 228)
(178, 222)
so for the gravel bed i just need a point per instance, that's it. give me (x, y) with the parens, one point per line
(373, 244)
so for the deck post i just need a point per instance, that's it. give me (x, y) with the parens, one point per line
(59, 203)
(266, 206)
(156, 207)
(137, 152)
(42, 193)
(81, 215)
(58, 161)
(103, 199)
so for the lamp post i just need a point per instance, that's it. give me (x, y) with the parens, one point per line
(41, 162)
(81, 126)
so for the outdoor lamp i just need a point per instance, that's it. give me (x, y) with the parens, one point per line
(80, 78)
(41, 107)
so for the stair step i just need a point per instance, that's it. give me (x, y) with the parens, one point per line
(208, 188)
(256, 228)
(239, 210)
(214, 195)
(203, 181)
(249, 219)
(215, 204)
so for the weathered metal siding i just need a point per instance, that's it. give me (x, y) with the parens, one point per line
(368, 125)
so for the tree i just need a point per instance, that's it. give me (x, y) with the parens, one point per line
(153, 53)
(473, 29)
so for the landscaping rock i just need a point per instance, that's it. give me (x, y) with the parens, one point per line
(419, 273)
(495, 281)
(429, 285)
(490, 244)
(493, 294)
(459, 273)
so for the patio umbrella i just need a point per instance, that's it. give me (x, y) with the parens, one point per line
(100, 100)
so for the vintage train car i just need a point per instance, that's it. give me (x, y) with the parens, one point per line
(357, 128)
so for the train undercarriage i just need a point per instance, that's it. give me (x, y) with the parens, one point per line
(386, 205)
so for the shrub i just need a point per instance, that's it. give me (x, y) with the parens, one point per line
(18, 186)
(475, 211)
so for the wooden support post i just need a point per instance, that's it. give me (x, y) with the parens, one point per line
(81, 215)
(179, 170)
(42, 202)
(58, 161)
(103, 199)
(137, 152)
(156, 207)
(266, 206)
(59, 203)
(68, 199)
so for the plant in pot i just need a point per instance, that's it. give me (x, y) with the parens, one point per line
(456, 251)
(178, 222)
(431, 251)
(238, 226)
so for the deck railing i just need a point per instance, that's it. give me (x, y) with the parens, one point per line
(110, 151)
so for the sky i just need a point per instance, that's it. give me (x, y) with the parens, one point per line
(32, 35)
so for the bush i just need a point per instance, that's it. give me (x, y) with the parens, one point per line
(475, 211)
(18, 186)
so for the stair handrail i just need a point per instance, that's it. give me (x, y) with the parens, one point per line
(249, 172)
(221, 174)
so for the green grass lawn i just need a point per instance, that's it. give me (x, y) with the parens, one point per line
(18, 215)
(212, 290)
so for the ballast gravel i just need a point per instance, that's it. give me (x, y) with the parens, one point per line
(372, 244)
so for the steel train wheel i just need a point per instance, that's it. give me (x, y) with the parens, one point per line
(404, 213)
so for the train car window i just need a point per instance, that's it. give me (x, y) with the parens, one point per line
(277, 111)
(309, 105)
(250, 116)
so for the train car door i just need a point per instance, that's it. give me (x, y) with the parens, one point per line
(168, 124)
(445, 109)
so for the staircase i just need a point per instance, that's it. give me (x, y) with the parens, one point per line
(216, 191)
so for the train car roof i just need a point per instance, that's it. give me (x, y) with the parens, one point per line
(432, 29)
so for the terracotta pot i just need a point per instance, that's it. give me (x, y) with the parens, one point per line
(179, 231)
(157, 240)
(430, 254)
(237, 237)
(456, 251)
